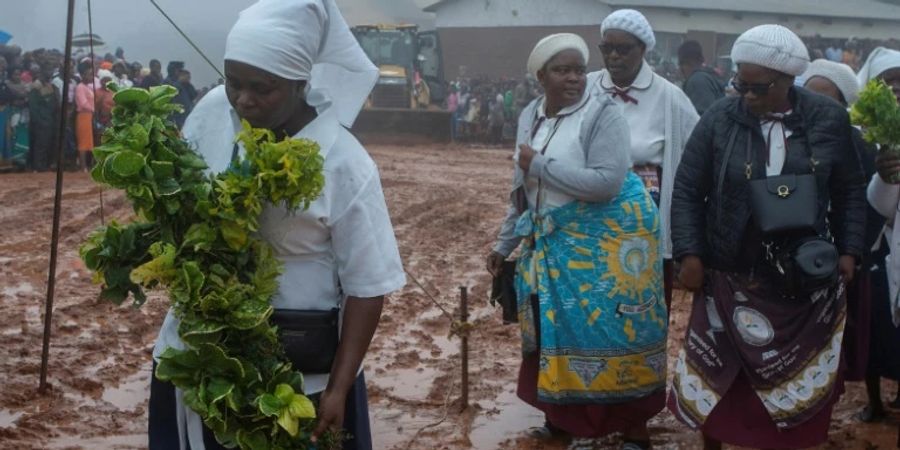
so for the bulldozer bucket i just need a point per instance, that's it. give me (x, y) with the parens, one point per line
(395, 125)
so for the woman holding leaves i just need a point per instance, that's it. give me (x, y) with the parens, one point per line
(884, 196)
(293, 67)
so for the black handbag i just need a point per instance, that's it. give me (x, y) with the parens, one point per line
(807, 265)
(785, 209)
(785, 203)
(309, 338)
(503, 291)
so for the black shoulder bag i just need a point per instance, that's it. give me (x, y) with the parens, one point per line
(785, 209)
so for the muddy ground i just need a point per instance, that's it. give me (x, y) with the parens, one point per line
(446, 203)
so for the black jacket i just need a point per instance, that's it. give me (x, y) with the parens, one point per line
(703, 88)
(713, 220)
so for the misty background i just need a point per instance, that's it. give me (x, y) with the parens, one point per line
(137, 27)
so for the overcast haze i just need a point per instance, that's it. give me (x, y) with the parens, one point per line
(140, 29)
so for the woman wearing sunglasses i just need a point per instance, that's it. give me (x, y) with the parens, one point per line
(660, 116)
(760, 366)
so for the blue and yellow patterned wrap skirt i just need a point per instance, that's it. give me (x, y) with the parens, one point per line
(597, 272)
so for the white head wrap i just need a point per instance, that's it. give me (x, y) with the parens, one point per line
(306, 40)
(551, 46)
(840, 74)
(880, 61)
(633, 22)
(772, 46)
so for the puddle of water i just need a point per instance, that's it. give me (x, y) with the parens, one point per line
(8, 418)
(515, 417)
(132, 391)
(410, 384)
(121, 442)
(21, 288)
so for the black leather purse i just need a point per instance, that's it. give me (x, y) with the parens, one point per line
(785, 203)
(785, 209)
(309, 338)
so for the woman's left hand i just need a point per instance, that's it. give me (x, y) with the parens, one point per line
(847, 267)
(330, 414)
(526, 154)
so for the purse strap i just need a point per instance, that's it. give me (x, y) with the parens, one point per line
(536, 123)
(724, 171)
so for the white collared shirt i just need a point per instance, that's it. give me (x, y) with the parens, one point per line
(343, 245)
(647, 118)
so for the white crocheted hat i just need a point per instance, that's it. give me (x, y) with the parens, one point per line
(840, 74)
(630, 21)
(772, 46)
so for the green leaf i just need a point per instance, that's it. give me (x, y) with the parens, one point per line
(285, 393)
(290, 423)
(302, 407)
(218, 388)
(191, 161)
(168, 187)
(160, 269)
(131, 97)
(116, 295)
(257, 440)
(235, 235)
(126, 163)
(162, 169)
(270, 405)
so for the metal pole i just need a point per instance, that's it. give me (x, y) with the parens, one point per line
(464, 346)
(57, 200)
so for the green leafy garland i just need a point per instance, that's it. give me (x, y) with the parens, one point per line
(194, 237)
(878, 113)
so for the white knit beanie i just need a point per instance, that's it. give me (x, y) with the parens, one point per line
(840, 74)
(772, 46)
(553, 45)
(630, 21)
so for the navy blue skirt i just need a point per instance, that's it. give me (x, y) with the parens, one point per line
(163, 426)
(884, 344)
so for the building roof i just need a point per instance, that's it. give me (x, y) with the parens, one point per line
(855, 9)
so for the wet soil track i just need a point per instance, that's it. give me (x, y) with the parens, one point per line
(446, 203)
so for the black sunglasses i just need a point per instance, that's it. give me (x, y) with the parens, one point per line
(758, 90)
(621, 49)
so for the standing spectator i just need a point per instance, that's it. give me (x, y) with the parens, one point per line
(121, 75)
(660, 117)
(728, 382)
(18, 120)
(43, 104)
(701, 84)
(593, 328)
(84, 116)
(186, 97)
(838, 81)
(172, 73)
(834, 52)
(453, 107)
(103, 103)
(154, 78)
(496, 119)
(6, 99)
(884, 196)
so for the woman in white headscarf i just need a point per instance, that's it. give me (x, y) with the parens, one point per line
(884, 196)
(292, 66)
(592, 316)
(659, 114)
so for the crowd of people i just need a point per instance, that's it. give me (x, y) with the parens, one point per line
(757, 193)
(30, 102)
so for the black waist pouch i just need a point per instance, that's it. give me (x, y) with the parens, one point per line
(310, 338)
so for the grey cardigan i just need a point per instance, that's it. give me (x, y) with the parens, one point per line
(606, 142)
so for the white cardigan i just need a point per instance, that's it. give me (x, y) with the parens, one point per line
(885, 198)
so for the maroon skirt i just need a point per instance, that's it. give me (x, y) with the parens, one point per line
(587, 420)
(741, 419)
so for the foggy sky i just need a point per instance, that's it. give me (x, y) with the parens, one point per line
(137, 27)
